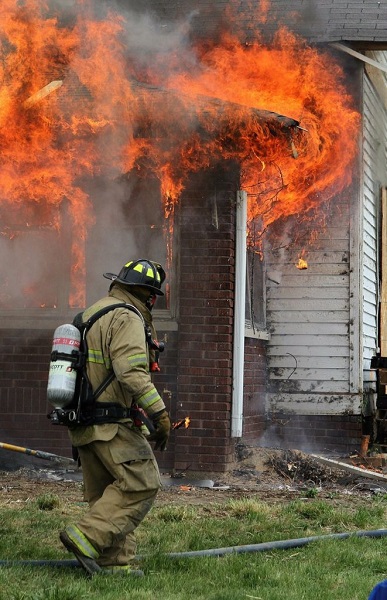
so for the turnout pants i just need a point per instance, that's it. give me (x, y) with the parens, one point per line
(120, 487)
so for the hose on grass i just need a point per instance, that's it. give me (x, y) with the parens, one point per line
(263, 547)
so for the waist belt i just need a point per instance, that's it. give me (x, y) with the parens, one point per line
(110, 414)
(114, 413)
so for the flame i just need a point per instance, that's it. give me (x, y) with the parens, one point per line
(182, 423)
(76, 102)
(302, 264)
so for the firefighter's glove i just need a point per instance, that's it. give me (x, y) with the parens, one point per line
(162, 425)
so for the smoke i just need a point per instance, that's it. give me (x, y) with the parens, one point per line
(129, 225)
(100, 199)
(128, 217)
(29, 272)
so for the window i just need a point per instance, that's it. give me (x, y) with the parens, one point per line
(255, 312)
(36, 244)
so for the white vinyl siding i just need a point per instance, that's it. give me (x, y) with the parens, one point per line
(324, 320)
(310, 355)
(374, 178)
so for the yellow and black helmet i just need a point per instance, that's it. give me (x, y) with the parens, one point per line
(143, 272)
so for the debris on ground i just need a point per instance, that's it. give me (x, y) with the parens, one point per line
(270, 474)
(301, 468)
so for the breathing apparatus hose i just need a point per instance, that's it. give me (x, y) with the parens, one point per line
(263, 547)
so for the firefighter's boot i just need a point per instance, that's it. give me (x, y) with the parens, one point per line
(76, 542)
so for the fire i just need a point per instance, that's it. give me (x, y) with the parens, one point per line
(302, 263)
(182, 423)
(77, 102)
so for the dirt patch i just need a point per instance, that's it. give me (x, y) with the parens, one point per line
(265, 473)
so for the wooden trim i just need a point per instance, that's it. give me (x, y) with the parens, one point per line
(359, 56)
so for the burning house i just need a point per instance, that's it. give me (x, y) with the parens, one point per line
(245, 149)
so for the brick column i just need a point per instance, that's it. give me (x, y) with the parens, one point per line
(207, 264)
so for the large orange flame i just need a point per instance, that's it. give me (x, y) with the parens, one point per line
(75, 103)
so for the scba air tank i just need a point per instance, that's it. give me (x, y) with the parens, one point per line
(62, 374)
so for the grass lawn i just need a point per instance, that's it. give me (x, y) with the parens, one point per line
(323, 570)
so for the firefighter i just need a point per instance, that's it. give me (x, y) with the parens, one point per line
(120, 472)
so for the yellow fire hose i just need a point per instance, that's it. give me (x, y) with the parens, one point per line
(37, 453)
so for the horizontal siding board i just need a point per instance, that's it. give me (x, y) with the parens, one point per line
(310, 375)
(308, 340)
(369, 263)
(304, 386)
(324, 268)
(369, 278)
(369, 283)
(369, 317)
(370, 327)
(315, 404)
(309, 305)
(334, 235)
(311, 328)
(312, 280)
(318, 351)
(370, 255)
(369, 343)
(305, 363)
(308, 292)
(369, 215)
(369, 242)
(318, 317)
(330, 245)
(328, 256)
(369, 300)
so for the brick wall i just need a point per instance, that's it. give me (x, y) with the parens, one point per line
(24, 359)
(196, 375)
(206, 255)
(315, 433)
(255, 376)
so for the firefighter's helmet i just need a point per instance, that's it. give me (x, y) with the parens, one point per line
(143, 272)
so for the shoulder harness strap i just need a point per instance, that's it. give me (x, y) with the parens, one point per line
(84, 326)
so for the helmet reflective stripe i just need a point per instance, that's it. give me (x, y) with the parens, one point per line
(140, 268)
(143, 272)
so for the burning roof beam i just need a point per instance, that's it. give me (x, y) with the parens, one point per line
(42, 93)
(203, 102)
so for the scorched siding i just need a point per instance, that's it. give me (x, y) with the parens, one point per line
(310, 352)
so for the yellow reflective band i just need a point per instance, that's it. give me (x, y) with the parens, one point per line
(129, 263)
(96, 356)
(139, 268)
(138, 360)
(148, 399)
(81, 541)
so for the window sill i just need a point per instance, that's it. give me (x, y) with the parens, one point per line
(257, 333)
